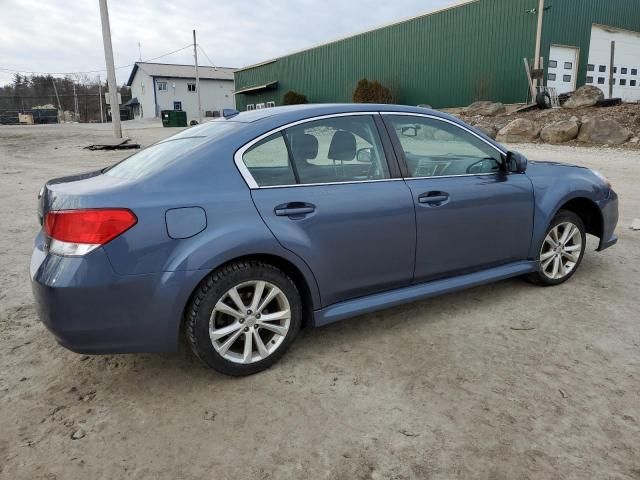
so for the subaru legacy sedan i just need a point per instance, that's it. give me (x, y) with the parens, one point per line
(237, 232)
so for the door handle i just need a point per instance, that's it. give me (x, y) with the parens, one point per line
(293, 209)
(435, 199)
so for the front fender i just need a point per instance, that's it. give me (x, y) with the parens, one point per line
(556, 185)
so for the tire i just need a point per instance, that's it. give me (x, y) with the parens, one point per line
(543, 100)
(569, 255)
(218, 331)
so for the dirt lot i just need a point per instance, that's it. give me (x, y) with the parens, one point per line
(506, 381)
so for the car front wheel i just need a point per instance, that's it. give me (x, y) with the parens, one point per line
(562, 250)
(243, 318)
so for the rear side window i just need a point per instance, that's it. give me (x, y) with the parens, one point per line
(337, 150)
(268, 162)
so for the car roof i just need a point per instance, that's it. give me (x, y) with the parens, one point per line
(300, 112)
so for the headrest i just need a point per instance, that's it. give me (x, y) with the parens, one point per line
(343, 146)
(304, 146)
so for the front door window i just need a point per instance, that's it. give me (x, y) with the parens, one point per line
(177, 105)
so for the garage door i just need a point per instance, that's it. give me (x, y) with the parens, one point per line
(562, 68)
(626, 78)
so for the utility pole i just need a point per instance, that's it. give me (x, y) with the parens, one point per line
(75, 103)
(53, 81)
(536, 60)
(100, 99)
(195, 55)
(111, 70)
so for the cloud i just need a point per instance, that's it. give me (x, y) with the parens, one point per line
(66, 36)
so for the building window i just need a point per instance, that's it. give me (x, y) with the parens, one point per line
(177, 106)
(566, 78)
(250, 107)
(591, 68)
(632, 83)
(589, 79)
(552, 77)
(613, 81)
(602, 68)
(615, 69)
(568, 65)
(600, 80)
(271, 104)
(162, 86)
(191, 87)
(624, 70)
(553, 63)
(634, 71)
(623, 82)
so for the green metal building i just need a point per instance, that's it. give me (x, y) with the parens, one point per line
(471, 51)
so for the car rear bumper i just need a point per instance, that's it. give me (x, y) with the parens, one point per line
(91, 309)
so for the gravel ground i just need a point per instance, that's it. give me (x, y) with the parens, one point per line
(499, 382)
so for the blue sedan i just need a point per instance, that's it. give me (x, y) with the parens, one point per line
(238, 232)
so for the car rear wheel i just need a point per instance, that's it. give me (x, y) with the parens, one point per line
(243, 318)
(562, 250)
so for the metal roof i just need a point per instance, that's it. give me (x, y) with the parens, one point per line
(181, 71)
(257, 88)
(452, 5)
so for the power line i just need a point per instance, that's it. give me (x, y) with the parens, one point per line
(94, 71)
(205, 54)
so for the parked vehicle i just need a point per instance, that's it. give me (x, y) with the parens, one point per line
(239, 231)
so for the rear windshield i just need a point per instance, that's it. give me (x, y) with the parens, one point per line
(158, 156)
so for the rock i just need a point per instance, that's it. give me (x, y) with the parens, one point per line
(603, 132)
(486, 109)
(635, 225)
(575, 119)
(519, 131)
(489, 130)
(78, 434)
(560, 132)
(635, 140)
(586, 96)
(209, 416)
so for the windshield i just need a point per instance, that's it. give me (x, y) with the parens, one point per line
(158, 156)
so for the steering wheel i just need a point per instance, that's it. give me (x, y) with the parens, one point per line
(485, 165)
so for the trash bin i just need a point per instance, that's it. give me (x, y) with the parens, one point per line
(174, 118)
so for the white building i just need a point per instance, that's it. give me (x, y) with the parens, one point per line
(159, 86)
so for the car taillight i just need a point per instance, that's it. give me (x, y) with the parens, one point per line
(77, 232)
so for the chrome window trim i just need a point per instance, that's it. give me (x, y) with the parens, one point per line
(253, 185)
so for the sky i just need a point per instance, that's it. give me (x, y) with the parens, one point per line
(65, 35)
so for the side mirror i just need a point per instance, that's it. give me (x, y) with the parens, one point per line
(365, 155)
(516, 162)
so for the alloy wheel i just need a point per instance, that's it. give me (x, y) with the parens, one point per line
(561, 251)
(250, 322)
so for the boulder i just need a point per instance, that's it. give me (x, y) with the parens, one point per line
(489, 130)
(486, 109)
(519, 131)
(586, 96)
(603, 132)
(560, 132)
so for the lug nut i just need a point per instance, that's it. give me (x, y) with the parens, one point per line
(258, 316)
(242, 320)
(248, 312)
(246, 329)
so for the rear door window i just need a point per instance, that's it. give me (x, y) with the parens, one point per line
(268, 162)
(337, 150)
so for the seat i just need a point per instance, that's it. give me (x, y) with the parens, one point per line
(343, 146)
(304, 147)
